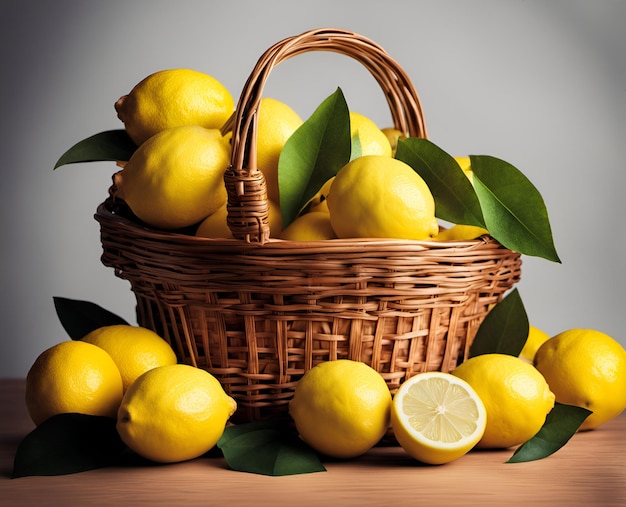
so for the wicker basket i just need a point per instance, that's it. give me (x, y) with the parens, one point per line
(258, 312)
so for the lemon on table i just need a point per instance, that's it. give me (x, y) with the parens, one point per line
(341, 408)
(176, 178)
(312, 226)
(73, 376)
(516, 396)
(372, 139)
(536, 338)
(174, 98)
(276, 123)
(174, 413)
(586, 368)
(381, 197)
(216, 226)
(437, 417)
(134, 349)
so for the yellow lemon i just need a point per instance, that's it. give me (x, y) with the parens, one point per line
(215, 225)
(174, 98)
(515, 394)
(536, 338)
(373, 141)
(586, 368)
(134, 349)
(437, 417)
(381, 197)
(341, 408)
(312, 226)
(460, 232)
(176, 178)
(174, 413)
(276, 123)
(393, 136)
(73, 376)
(319, 201)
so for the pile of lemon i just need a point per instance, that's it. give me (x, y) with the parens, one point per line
(165, 412)
(496, 401)
(169, 412)
(174, 180)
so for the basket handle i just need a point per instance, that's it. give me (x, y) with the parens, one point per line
(247, 196)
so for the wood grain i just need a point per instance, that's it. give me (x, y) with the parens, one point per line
(589, 471)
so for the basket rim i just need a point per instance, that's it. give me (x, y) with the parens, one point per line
(105, 214)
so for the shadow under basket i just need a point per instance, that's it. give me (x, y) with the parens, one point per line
(257, 316)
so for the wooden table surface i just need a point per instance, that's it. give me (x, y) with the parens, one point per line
(590, 470)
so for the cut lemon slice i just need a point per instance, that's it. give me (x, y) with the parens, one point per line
(437, 417)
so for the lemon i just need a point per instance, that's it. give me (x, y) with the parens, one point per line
(586, 368)
(215, 225)
(536, 338)
(174, 98)
(341, 408)
(437, 417)
(515, 394)
(393, 136)
(373, 141)
(134, 349)
(174, 413)
(276, 123)
(176, 178)
(461, 232)
(381, 197)
(466, 165)
(73, 376)
(312, 226)
(319, 201)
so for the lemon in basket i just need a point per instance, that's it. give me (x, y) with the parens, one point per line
(173, 98)
(393, 136)
(312, 226)
(341, 408)
(276, 123)
(73, 376)
(373, 140)
(380, 197)
(437, 417)
(134, 349)
(176, 178)
(461, 232)
(586, 368)
(174, 413)
(516, 396)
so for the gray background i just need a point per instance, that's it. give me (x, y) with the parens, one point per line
(541, 84)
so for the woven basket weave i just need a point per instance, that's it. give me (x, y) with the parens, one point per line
(259, 312)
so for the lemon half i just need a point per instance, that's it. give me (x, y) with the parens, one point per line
(437, 417)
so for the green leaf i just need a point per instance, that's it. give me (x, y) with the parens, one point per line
(455, 199)
(270, 447)
(313, 154)
(514, 211)
(81, 317)
(561, 424)
(504, 330)
(113, 145)
(67, 444)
